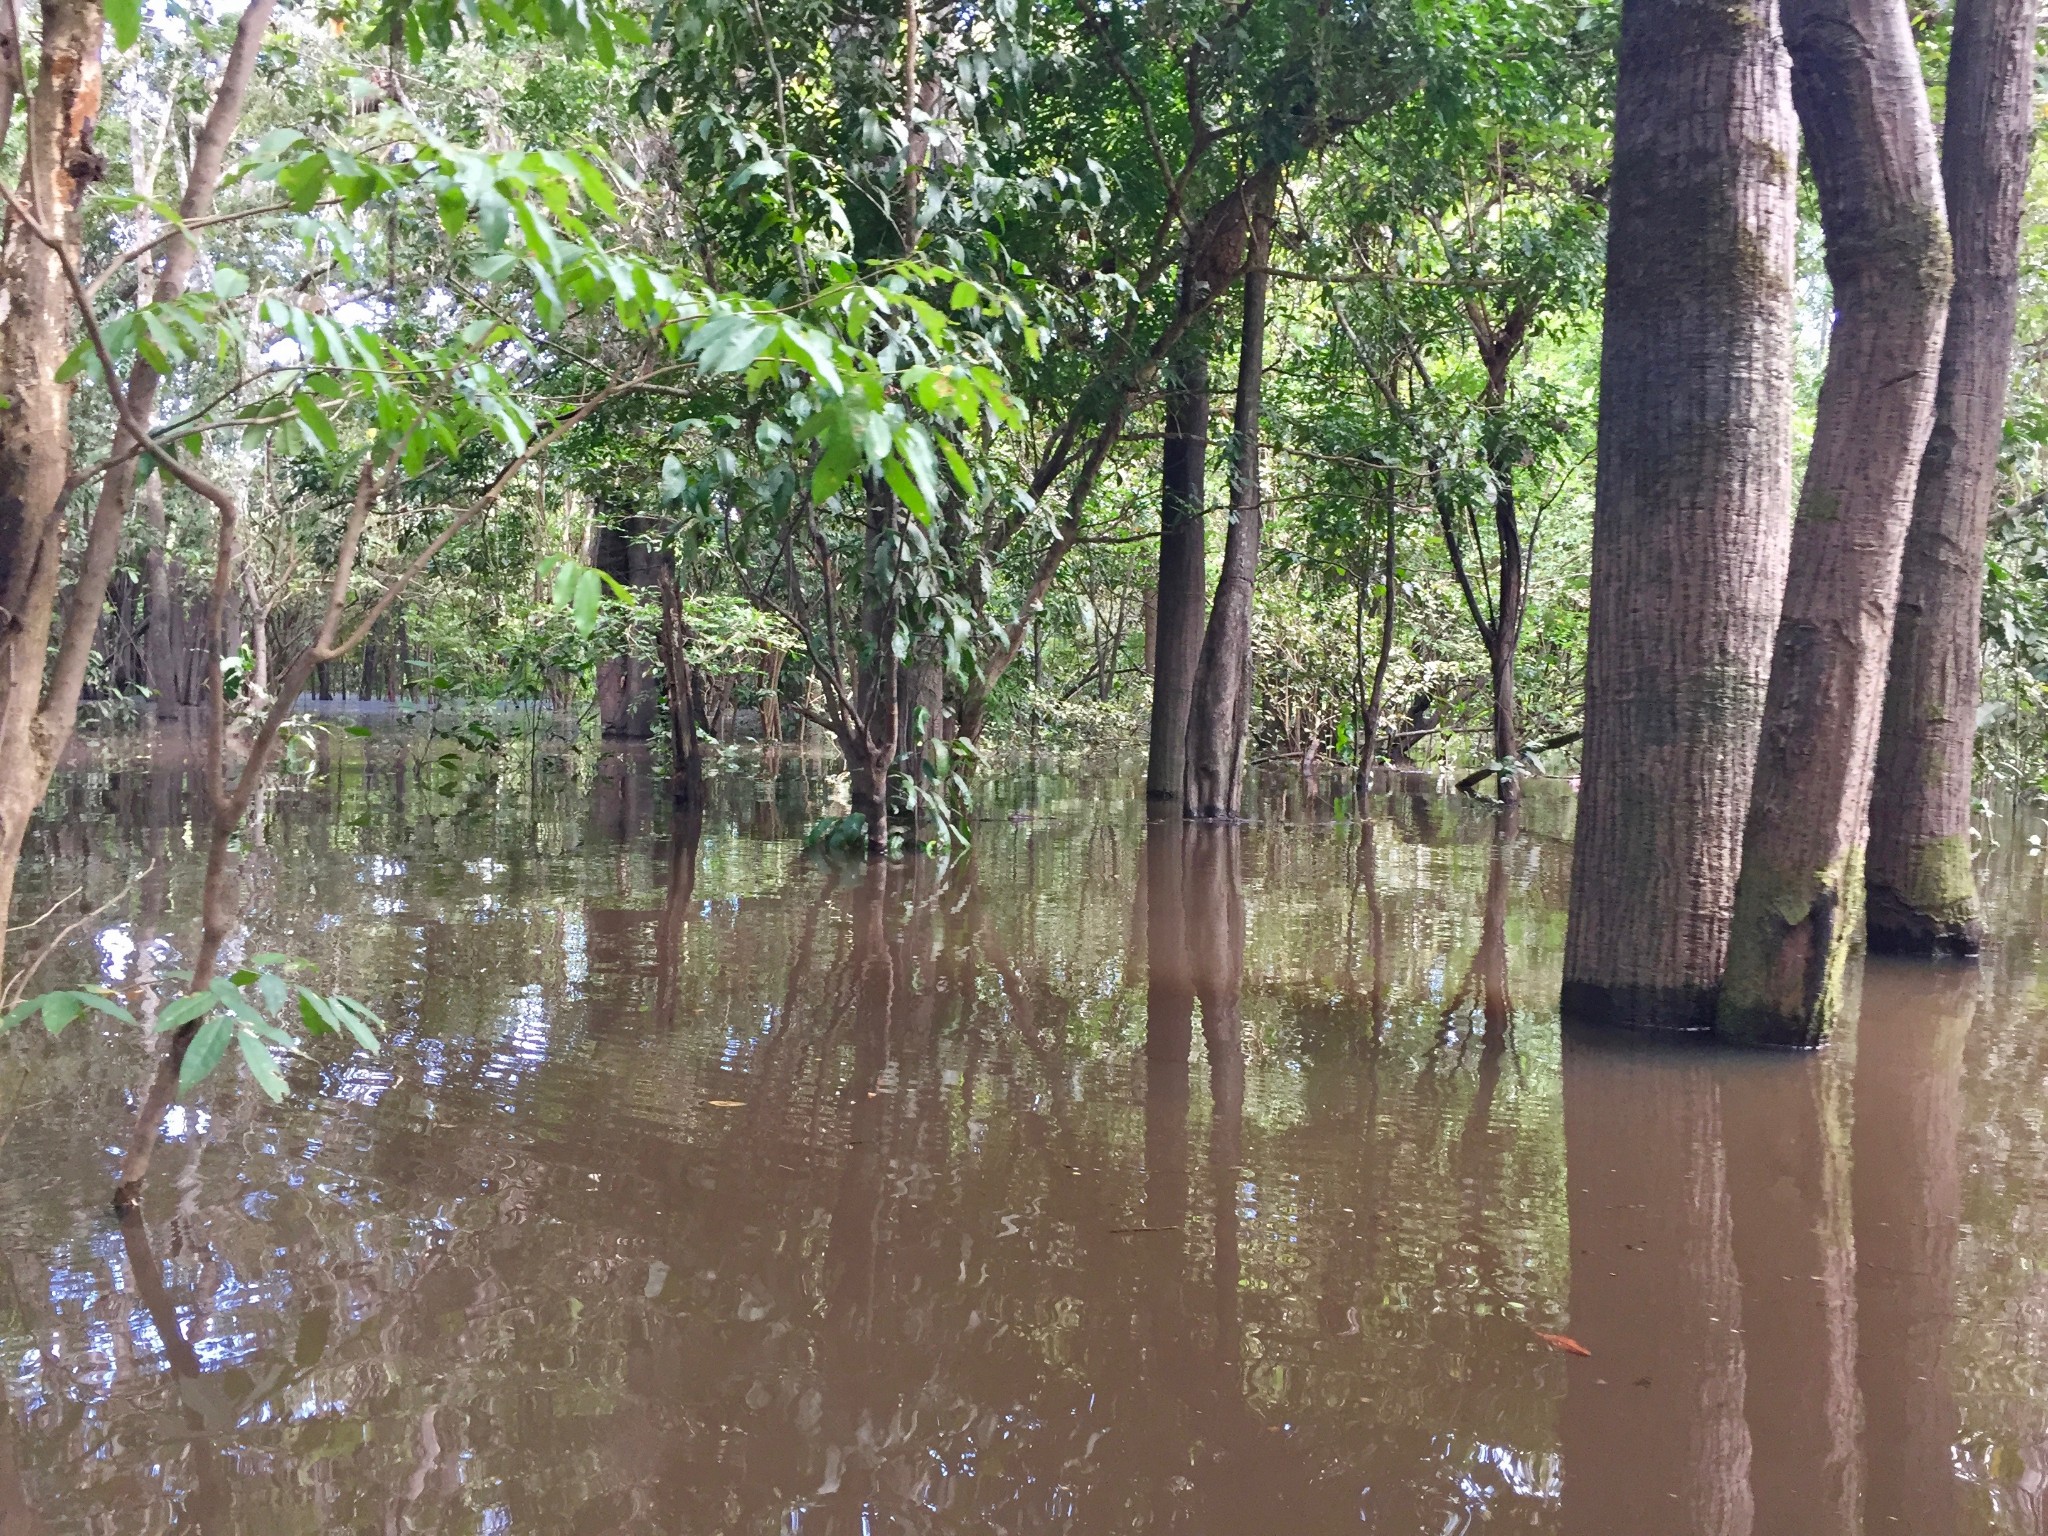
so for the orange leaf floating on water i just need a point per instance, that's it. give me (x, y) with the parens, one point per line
(1559, 1341)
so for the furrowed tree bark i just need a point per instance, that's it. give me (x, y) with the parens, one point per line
(1863, 105)
(1922, 897)
(1690, 536)
(1220, 706)
(35, 423)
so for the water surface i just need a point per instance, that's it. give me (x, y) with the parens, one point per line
(1110, 1180)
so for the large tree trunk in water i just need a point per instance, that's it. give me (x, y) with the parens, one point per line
(35, 422)
(1856, 81)
(1220, 706)
(1177, 604)
(1923, 900)
(1690, 539)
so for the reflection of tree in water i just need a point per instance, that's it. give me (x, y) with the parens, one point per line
(913, 1309)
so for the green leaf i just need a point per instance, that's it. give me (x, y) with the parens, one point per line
(589, 595)
(17, 1013)
(59, 1009)
(99, 1002)
(262, 1065)
(835, 466)
(272, 989)
(317, 424)
(182, 1010)
(303, 180)
(357, 1021)
(125, 17)
(205, 1052)
(317, 1014)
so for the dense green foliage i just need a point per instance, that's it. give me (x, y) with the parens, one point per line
(701, 284)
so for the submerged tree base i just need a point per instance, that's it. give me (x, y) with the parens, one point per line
(1788, 958)
(1665, 1010)
(1937, 916)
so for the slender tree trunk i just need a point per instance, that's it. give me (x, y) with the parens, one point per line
(1183, 544)
(1690, 541)
(870, 746)
(1507, 631)
(1922, 897)
(686, 753)
(1220, 703)
(771, 696)
(1856, 80)
(1369, 744)
(160, 621)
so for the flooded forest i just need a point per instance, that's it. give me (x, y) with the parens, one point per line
(921, 767)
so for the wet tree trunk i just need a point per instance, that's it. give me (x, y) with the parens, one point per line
(1690, 540)
(1922, 897)
(1220, 703)
(1179, 594)
(1863, 105)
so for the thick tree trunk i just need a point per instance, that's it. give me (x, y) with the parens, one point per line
(35, 420)
(626, 696)
(1922, 897)
(1690, 539)
(1857, 84)
(1180, 591)
(1220, 704)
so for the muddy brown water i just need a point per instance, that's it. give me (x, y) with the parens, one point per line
(1111, 1180)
